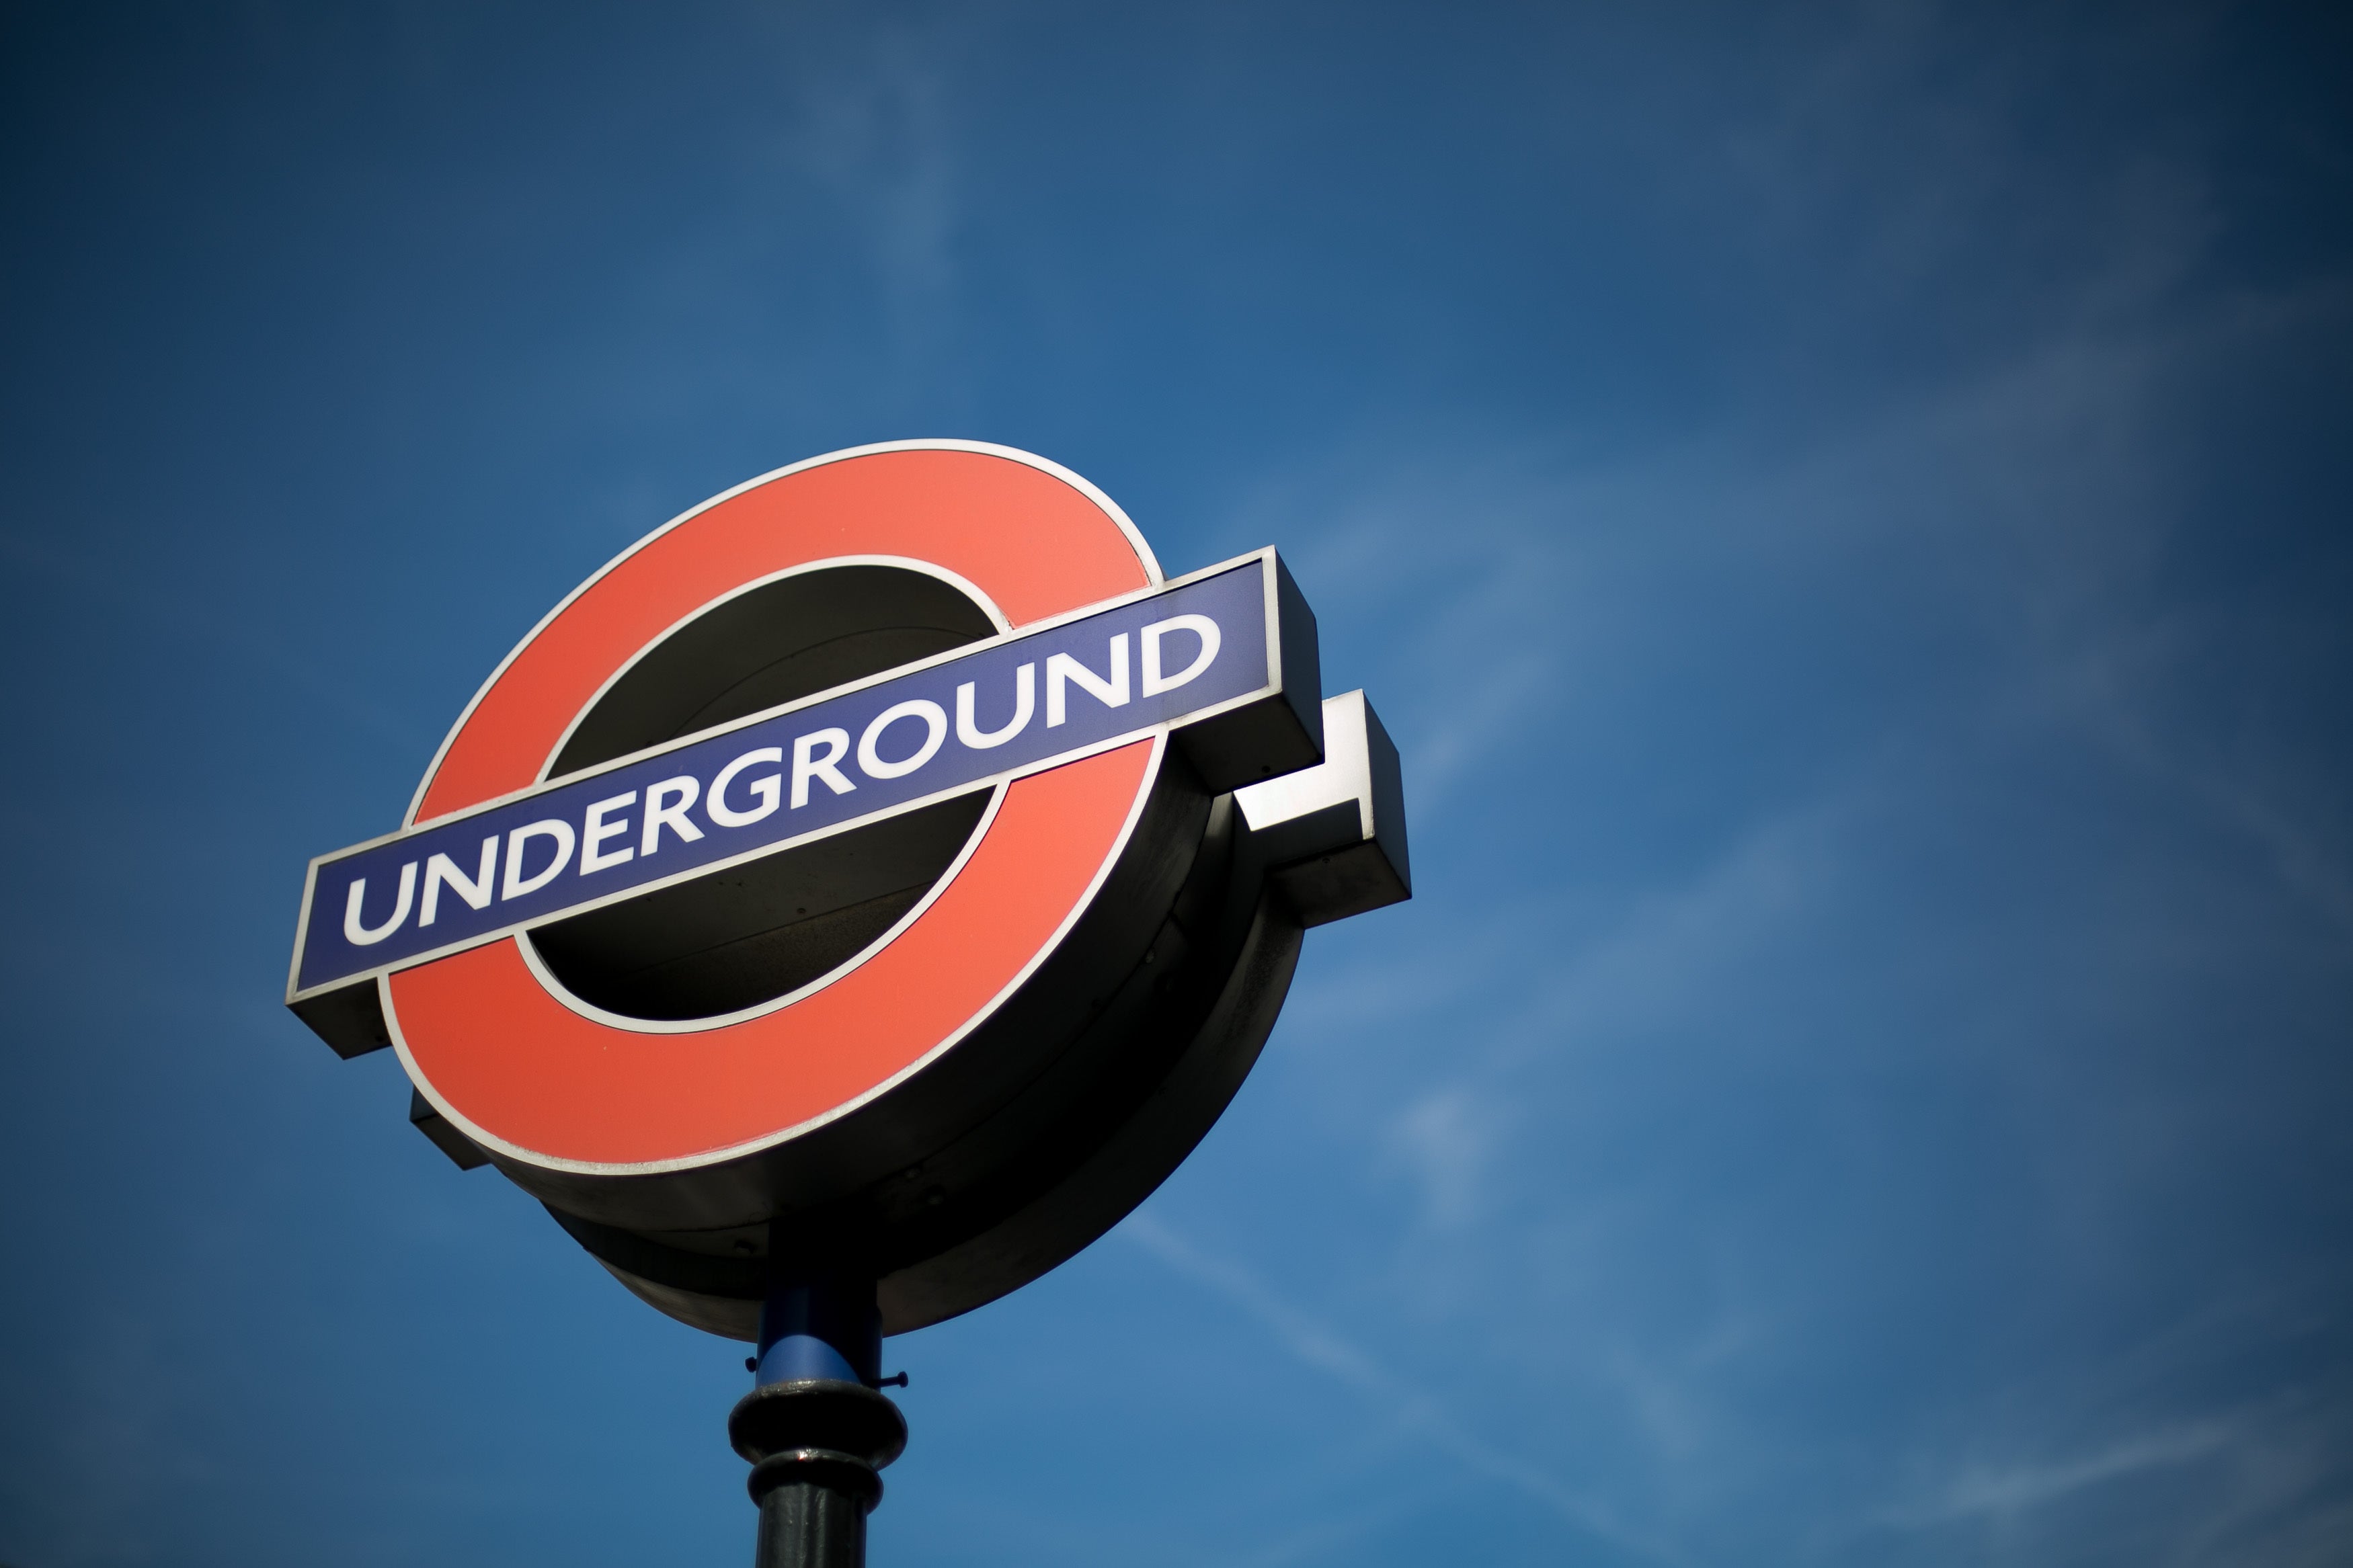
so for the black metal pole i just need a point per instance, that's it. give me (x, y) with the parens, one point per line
(814, 1426)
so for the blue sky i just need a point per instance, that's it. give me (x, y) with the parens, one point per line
(1843, 507)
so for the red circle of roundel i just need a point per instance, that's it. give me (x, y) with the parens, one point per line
(527, 1075)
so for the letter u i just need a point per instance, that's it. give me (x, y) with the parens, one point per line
(1025, 704)
(359, 935)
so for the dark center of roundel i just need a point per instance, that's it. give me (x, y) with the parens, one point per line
(740, 937)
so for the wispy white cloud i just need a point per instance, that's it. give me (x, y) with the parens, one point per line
(2006, 1490)
(2026, 511)
(877, 132)
(1318, 1346)
(1446, 1140)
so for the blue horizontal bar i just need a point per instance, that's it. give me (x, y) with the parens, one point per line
(777, 779)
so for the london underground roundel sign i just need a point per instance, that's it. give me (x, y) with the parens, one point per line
(882, 859)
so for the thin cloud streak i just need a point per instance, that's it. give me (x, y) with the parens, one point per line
(1318, 1347)
(2007, 1491)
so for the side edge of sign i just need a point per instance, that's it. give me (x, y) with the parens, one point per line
(1282, 730)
